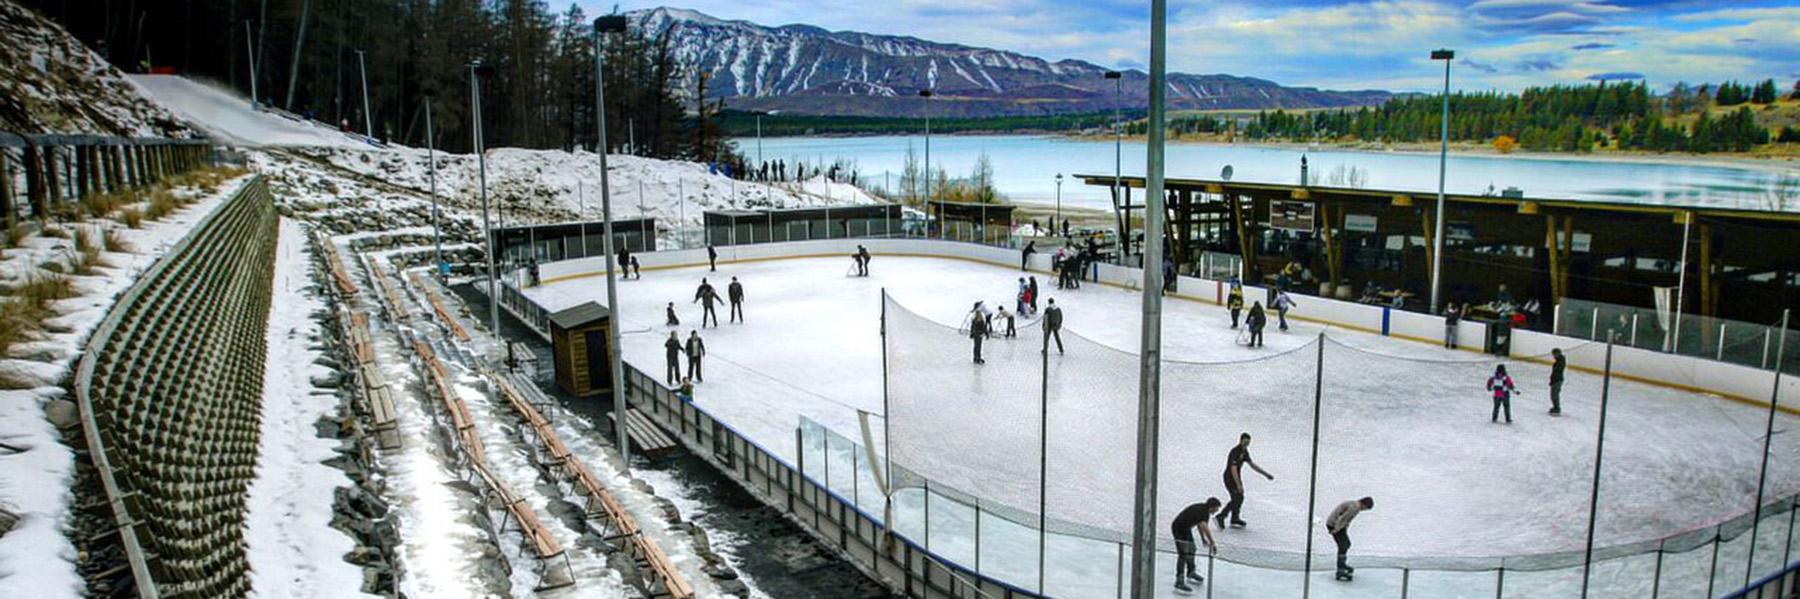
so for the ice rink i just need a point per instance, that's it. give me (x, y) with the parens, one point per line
(1403, 421)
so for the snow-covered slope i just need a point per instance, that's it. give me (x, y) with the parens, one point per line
(227, 116)
(50, 83)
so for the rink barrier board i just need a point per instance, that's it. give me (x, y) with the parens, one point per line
(831, 518)
(1730, 381)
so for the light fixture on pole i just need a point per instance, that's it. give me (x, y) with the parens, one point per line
(610, 24)
(1058, 198)
(1437, 239)
(943, 224)
(437, 239)
(1119, 157)
(487, 231)
(369, 120)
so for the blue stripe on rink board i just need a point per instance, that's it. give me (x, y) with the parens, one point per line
(1387, 317)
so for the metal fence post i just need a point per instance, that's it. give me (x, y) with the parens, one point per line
(1594, 325)
(1721, 356)
(1712, 573)
(1500, 584)
(1656, 575)
(927, 514)
(977, 534)
(1405, 581)
(1634, 325)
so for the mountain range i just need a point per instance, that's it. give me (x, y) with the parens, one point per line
(802, 69)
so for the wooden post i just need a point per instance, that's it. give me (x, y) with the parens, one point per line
(1246, 244)
(34, 178)
(1333, 253)
(6, 189)
(1568, 246)
(50, 178)
(1430, 247)
(115, 158)
(1707, 306)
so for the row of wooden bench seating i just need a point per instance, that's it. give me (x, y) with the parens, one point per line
(377, 396)
(437, 305)
(345, 285)
(619, 527)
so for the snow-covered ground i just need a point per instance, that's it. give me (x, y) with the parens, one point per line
(36, 557)
(225, 115)
(1407, 428)
(293, 550)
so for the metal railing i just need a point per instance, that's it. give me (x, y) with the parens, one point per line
(1734, 341)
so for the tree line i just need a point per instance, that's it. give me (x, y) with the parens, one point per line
(1573, 118)
(309, 57)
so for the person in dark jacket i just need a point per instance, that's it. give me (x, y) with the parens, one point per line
(1256, 320)
(696, 349)
(637, 270)
(1033, 291)
(1053, 318)
(735, 292)
(673, 345)
(862, 260)
(1025, 256)
(1235, 460)
(978, 331)
(625, 260)
(1235, 303)
(1190, 519)
(673, 321)
(1557, 365)
(712, 257)
(1452, 318)
(705, 296)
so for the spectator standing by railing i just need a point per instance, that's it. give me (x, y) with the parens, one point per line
(1452, 318)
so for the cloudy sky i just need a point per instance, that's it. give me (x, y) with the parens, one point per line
(1343, 44)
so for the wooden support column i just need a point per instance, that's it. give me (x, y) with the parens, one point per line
(1430, 247)
(1246, 241)
(114, 167)
(1556, 266)
(84, 167)
(1708, 294)
(1334, 249)
(6, 189)
(35, 191)
(51, 181)
(1568, 246)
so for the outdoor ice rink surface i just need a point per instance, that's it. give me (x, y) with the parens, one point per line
(1405, 422)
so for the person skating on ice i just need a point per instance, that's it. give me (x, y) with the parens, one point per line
(1338, 524)
(862, 258)
(1234, 480)
(705, 296)
(1053, 318)
(1283, 303)
(1192, 518)
(1557, 365)
(1235, 303)
(637, 270)
(1025, 255)
(673, 345)
(696, 349)
(712, 257)
(1007, 318)
(1502, 386)
(1032, 292)
(978, 331)
(673, 321)
(1255, 322)
(735, 292)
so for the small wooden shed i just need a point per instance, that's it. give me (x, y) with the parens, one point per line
(579, 338)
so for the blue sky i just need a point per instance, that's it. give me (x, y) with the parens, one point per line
(1345, 44)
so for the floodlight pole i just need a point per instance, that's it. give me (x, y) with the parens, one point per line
(1059, 179)
(1437, 255)
(368, 120)
(437, 239)
(486, 229)
(1119, 161)
(250, 50)
(610, 23)
(1143, 534)
(943, 223)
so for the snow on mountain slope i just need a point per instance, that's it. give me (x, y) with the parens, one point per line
(51, 83)
(226, 115)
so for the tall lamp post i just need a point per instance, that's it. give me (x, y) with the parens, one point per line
(603, 25)
(369, 121)
(487, 231)
(1144, 517)
(1437, 239)
(943, 224)
(1058, 198)
(437, 239)
(1119, 157)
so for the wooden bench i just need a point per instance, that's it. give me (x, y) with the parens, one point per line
(646, 437)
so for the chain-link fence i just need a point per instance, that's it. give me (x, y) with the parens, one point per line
(1020, 469)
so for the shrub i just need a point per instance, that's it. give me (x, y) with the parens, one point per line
(114, 242)
(132, 217)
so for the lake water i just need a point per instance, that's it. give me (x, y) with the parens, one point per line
(1025, 168)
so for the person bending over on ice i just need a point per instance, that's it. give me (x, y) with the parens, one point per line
(1234, 480)
(978, 330)
(1192, 518)
(1007, 317)
(735, 292)
(696, 349)
(1502, 386)
(1338, 524)
(862, 258)
(705, 296)
(1255, 321)
(1025, 256)
(674, 347)
(673, 321)
(1235, 303)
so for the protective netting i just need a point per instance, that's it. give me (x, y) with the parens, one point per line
(1458, 489)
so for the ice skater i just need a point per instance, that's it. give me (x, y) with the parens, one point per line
(1025, 256)
(674, 347)
(1338, 524)
(1192, 518)
(712, 257)
(1234, 480)
(696, 349)
(1255, 322)
(978, 331)
(625, 259)
(1283, 303)
(673, 320)
(705, 296)
(1019, 298)
(1032, 298)
(1007, 317)
(1235, 303)
(1502, 386)
(735, 292)
(1052, 325)
(637, 269)
(1452, 318)
(1557, 365)
(862, 259)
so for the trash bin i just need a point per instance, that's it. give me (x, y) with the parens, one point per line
(1499, 338)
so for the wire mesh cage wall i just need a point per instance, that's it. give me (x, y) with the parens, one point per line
(1020, 468)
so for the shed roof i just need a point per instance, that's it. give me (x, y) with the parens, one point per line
(579, 316)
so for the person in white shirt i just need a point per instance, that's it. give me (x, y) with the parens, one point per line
(1338, 524)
